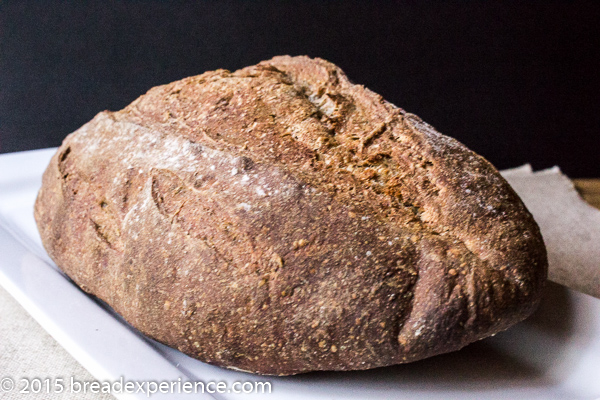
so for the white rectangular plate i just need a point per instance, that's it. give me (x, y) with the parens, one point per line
(553, 355)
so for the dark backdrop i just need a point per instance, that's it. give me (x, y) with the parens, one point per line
(515, 81)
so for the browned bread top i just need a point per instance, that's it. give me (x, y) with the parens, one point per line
(280, 219)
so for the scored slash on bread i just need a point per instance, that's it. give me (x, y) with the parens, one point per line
(280, 219)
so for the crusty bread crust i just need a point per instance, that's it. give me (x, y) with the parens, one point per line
(280, 219)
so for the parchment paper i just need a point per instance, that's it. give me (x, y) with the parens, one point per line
(569, 225)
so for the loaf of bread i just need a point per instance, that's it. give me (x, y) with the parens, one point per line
(280, 219)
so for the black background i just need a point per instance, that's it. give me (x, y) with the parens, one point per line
(515, 81)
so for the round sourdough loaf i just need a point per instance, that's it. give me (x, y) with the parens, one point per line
(280, 219)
